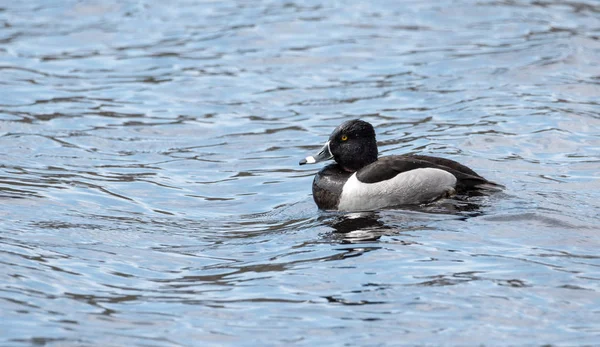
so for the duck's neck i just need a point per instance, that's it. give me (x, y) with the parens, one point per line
(357, 165)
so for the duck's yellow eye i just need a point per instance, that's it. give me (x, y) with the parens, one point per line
(344, 137)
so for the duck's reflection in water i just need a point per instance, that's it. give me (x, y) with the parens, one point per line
(355, 227)
(370, 226)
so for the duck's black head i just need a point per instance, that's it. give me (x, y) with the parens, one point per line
(352, 145)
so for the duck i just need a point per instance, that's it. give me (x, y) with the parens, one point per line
(359, 180)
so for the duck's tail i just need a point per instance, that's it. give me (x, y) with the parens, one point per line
(489, 186)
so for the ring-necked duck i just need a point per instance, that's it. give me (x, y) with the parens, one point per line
(360, 181)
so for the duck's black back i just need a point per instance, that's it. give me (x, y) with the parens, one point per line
(388, 167)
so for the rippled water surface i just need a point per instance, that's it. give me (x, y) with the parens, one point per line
(150, 192)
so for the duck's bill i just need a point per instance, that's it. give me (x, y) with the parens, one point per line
(322, 155)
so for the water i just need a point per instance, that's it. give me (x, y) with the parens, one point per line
(150, 192)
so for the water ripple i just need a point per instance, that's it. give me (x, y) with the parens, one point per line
(150, 193)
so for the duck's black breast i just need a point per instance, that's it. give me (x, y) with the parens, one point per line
(328, 185)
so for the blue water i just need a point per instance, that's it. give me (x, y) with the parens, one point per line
(150, 192)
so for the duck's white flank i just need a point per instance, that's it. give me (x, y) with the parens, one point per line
(410, 187)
